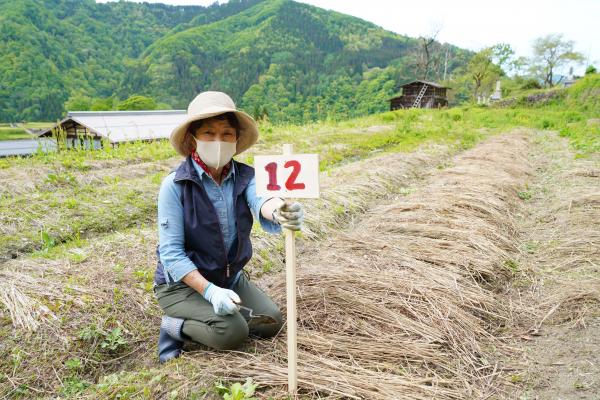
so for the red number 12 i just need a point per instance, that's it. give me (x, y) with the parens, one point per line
(290, 183)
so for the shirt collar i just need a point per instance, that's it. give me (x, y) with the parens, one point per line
(201, 172)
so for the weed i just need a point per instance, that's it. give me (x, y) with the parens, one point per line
(531, 247)
(512, 266)
(578, 385)
(267, 266)
(113, 340)
(516, 378)
(17, 356)
(118, 295)
(524, 195)
(58, 179)
(145, 279)
(48, 240)
(73, 385)
(90, 333)
(237, 391)
(405, 191)
(118, 268)
(73, 364)
(110, 341)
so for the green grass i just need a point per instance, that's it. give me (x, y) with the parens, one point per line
(12, 133)
(8, 133)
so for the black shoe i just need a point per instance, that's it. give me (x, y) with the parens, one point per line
(170, 341)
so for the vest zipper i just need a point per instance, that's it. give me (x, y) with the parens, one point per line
(222, 240)
(225, 252)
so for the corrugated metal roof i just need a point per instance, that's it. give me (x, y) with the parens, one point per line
(123, 126)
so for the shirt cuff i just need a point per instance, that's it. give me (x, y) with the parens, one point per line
(177, 271)
(267, 225)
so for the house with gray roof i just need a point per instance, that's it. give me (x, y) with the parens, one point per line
(90, 128)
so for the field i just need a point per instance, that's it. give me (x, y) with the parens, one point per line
(8, 132)
(451, 253)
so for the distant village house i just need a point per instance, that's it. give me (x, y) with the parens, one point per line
(420, 94)
(87, 129)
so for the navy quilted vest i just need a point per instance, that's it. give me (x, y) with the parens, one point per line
(204, 243)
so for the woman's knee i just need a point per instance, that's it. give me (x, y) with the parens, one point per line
(231, 334)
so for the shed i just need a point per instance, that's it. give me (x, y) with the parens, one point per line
(420, 94)
(88, 128)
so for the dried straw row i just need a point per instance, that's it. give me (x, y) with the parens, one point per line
(404, 305)
(348, 192)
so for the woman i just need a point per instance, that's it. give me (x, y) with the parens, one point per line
(205, 214)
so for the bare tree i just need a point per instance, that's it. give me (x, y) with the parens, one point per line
(551, 52)
(427, 57)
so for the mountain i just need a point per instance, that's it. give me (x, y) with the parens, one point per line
(288, 60)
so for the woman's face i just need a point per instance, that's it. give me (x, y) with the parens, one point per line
(216, 129)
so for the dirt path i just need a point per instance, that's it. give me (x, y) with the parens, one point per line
(561, 262)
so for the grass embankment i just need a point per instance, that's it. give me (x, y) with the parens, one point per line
(573, 112)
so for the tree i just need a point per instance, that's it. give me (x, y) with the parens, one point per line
(137, 102)
(78, 102)
(482, 70)
(426, 59)
(550, 53)
(103, 104)
(502, 54)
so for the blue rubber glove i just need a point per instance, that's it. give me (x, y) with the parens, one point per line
(223, 300)
(289, 215)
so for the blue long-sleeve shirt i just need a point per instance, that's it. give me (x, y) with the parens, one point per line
(170, 219)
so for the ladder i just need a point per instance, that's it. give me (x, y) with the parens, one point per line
(417, 102)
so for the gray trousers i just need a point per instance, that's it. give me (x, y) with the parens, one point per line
(223, 332)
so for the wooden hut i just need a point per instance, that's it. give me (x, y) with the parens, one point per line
(420, 94)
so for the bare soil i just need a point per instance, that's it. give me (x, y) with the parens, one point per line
(560, 352)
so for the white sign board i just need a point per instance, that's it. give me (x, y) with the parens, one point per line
(295, 175)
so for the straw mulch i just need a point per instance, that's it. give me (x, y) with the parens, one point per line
(406, 304)
(346, 194)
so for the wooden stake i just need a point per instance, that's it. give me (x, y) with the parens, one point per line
(290, 266)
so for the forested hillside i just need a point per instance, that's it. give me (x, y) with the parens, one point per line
(277, 58)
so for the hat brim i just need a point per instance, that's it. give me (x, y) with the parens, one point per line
(184, 143)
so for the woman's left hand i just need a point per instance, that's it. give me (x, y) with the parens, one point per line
(289, 215)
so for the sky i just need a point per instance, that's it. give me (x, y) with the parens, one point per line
(474, 24)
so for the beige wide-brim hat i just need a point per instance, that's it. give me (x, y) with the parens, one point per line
(210, 104)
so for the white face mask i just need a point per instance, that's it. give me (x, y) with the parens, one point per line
(215, 153)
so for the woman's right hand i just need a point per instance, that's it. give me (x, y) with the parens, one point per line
(223, 300)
